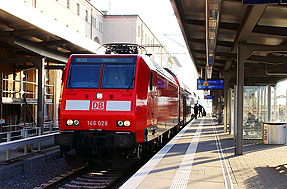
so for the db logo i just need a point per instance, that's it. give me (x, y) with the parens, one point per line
(98, 105)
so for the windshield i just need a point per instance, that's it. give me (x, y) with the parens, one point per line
(118, 76)
(84, 76)
(117, 72)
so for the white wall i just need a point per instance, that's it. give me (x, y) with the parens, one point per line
(57, 10)
(119, 29)
(131, 29)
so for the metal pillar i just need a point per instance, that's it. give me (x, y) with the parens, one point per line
(41, 92)
(213, 105)
(229, 111)
(219, 108)
(258, 102)
(243, 52)
(239, 108)
(235, 112)
(225, 103)
(269, 111)
(227, 77)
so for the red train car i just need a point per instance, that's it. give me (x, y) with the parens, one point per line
(114, 102)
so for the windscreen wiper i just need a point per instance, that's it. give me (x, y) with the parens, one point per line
(130, 85)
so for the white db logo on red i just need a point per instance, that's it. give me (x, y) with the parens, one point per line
(98, 105)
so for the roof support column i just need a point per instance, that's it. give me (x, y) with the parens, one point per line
(229, 110)
(235, 112)
(227, 77)
(243, 52)
(239, 96)
(269, 111)
(41, 92)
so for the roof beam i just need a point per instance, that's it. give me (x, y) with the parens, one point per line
(251, 16)
(228, 65)
(17, 60)
(270, 30)
(41, 51)
(20, 33)
(262, 59)
(218, 43)
(51, 43)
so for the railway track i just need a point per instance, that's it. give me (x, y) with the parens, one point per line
(94, 176)
(89, 176)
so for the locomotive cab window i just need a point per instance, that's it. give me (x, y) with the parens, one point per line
(84, 76)
(118, 76)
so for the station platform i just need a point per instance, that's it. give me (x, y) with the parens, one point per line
(202, 156)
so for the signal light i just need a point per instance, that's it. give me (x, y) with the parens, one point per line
(76, 122)
(120, 123)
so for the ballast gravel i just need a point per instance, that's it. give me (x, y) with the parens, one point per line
(38, 176)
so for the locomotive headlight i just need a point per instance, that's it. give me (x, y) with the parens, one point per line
(70, 122)
(99, 95)
(127, 123)
(76, 122)
(120, 123)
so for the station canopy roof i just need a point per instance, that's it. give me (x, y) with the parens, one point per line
(31, 33)
(232, 23)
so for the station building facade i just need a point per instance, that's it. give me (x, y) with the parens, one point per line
(132, 29)
(79, 15)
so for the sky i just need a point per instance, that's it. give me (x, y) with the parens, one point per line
(159, 17)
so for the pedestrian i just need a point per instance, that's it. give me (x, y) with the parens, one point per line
(203, 112)
(195, 109)
(200, 110)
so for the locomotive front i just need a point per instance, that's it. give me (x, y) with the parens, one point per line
(97, 107)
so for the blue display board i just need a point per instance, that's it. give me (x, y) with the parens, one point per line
(208, 97)
(212, 84)
(252, 2)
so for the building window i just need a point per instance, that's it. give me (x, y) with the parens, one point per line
(78, 9)
(94, 21)
(86, 17)
(101, 26)
(139, 31)
(68, 4)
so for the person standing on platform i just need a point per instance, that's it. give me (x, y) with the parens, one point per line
(200, 110)
(195, 109)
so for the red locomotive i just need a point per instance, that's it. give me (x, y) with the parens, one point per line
(119, 102)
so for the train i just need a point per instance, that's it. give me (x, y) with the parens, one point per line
(119, 104)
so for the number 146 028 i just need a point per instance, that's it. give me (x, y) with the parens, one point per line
(97, 123)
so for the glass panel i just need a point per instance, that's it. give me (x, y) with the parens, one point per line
(279, 102)
(118, 76)
(254, 111)
(84, 76)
